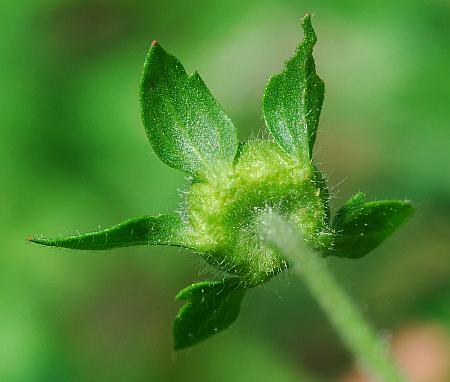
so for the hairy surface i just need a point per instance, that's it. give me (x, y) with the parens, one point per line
(224, 213)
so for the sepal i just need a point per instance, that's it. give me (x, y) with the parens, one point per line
(145, 230)
(361, 226)
(211, 307)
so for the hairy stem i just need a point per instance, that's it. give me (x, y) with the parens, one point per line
(357, 334)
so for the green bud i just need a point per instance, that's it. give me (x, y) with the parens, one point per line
(223, 214)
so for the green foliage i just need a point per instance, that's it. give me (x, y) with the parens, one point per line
(146, 230)
(186, 126)
(211, 307)
(361, 226)
(229, 195)
(293, 99)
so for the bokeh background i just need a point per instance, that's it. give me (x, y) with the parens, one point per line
(74, 156)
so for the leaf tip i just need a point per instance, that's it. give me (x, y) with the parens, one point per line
(408, 204)
(33, 239)
(306, 20)
(154, 43)
(308, 30)
(36, 240)
(307, 16)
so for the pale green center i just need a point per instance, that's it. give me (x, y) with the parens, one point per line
(223, 214)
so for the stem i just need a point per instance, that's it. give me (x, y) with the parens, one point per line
(356, 333)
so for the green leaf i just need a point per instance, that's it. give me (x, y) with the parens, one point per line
(361, 226)
(146, 230)
(293, 99)
(211, 307)
(186, 126)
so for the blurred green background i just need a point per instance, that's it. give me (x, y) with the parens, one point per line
(74, 156)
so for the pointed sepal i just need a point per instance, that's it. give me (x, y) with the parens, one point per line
(211, 307)
(361, 226)
(293, 99)
(186, 126)
(146, 230)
